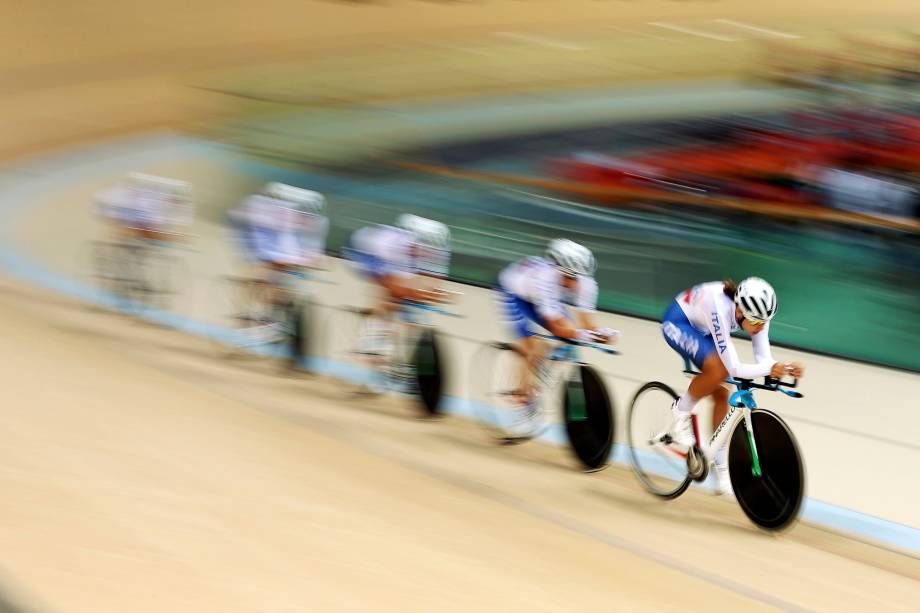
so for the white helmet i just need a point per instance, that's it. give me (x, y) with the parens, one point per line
(427, 232)
(570, 257)
(305, 200)
(756, 299)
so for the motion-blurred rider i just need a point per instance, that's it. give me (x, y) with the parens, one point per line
(146, 207)
(698, 325)
(404, 261)
(536, 290)
(282, 230)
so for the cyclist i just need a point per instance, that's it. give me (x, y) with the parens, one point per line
(282, 229)
(146, 207)
(536, 290)
(698, 326)
(401, 260)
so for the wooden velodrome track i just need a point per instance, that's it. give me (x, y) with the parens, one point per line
(141, 474)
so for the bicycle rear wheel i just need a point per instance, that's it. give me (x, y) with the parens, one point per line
(589, 418)
(114, 267)
(772, 500)
(429, 368)
(660, 467)
(161, 278)
(296, 316)
(499, 403)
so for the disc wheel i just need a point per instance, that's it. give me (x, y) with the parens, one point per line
(429, 371)
(773, 499)
(296, 318)
(660, 467)
(589, 418)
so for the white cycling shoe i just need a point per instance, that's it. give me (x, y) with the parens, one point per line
(526, 421)
(682, 428)
(723, 480)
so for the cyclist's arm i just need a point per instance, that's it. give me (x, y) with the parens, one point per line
(400, 286)
(549, 306)
(761, 342)
(586, 303)
(720, 330)
(561, 327)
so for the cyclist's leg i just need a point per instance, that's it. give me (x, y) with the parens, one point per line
(377, 333)
(518, 314)
(699, 348)
(719, 404)
(709, 383)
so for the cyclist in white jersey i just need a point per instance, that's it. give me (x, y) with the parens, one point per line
(281, 231)
(284, 227)
(146, 207)
(401, 260)
(698, 325)
(536, 290)
(398, 258)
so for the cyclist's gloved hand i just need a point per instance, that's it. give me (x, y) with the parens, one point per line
(796, 369)
(607, 335)
(778, 370)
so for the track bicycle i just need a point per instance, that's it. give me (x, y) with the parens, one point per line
(511, 415)
(402, 356)
(765, 464)
(266, 316)
(138, 273)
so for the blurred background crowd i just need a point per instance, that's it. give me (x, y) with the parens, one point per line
(682, 147)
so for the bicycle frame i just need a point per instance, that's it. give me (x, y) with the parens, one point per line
(410, 316)
(566, 351)
(414, 313)
(742, 398)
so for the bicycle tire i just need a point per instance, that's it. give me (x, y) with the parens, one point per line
(297, 318)
(112, 264)
(773, 500)
(650, 468)
(494, 377)
(589, 418)
(427, 361)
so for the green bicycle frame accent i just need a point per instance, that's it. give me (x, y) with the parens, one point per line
(744, 399)
(574, 390)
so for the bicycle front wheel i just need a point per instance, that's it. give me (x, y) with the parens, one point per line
(498, 389)
(660, 467)
(356, 351)
(589, 418)
(773, 499)
(241, 315)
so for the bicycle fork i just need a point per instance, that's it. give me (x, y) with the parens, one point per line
(745, 403)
